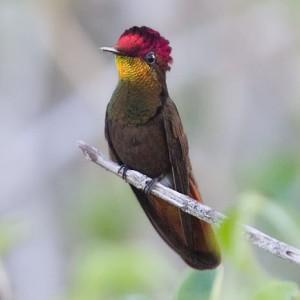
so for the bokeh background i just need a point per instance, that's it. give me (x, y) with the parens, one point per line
(70, 230)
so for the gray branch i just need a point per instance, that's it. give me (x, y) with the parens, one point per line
(191, 206)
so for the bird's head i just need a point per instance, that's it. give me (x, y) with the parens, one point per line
(141, 53)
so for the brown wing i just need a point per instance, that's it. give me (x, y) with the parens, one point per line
(177, 147)
(202, 250)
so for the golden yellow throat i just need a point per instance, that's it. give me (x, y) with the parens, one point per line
(135, 70)
(137, 96)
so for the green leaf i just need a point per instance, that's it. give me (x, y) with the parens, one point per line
(216, 293)
(276, 290)
(197, 285)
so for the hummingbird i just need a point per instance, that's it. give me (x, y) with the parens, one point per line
(144, 132)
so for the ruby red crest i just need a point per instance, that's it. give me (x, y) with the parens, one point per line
(138, 41)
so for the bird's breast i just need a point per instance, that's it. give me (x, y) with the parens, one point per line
(142, 148)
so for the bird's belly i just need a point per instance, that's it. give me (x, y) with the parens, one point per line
(142, 148)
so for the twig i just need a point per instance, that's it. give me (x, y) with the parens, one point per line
(191, 206)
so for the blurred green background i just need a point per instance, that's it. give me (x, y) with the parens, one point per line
(70, 230)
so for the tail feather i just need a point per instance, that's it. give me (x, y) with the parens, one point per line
(190, 237)
(204, 249)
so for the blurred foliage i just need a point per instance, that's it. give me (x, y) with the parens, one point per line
(275, 178)
(112, 265)
(244, 277)
(204, 284)
(103, 213)
(112, 271)
(5, 238)
(10, 234)
(276, 290)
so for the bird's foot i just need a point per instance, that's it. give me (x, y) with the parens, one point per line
(151, 183)
(123, 170)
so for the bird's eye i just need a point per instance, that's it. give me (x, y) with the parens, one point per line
(150, 58)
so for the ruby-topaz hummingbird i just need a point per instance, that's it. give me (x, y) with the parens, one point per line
(144, 133)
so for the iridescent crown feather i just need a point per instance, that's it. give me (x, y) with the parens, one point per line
(138, 41)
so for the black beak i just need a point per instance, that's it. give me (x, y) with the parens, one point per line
(111, 50)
